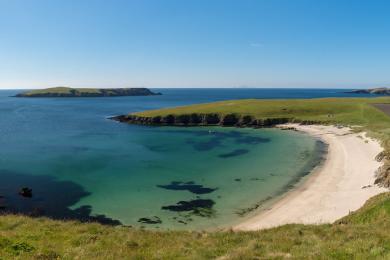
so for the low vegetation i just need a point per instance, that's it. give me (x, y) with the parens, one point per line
(361, 235)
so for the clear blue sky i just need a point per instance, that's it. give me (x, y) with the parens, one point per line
(194, 43)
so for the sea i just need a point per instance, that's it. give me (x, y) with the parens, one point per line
(81, 165)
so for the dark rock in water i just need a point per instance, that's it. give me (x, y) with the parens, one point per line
(189, 186)
(152, 220)
(237, 152)
(238, 179)
(199, 207)
(25, 192)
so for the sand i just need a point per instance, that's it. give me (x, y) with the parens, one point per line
(342, 184)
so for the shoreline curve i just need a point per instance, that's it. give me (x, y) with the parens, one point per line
(343, 183)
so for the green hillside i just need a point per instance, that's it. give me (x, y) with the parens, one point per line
(362, 235)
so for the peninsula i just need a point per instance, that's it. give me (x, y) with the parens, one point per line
(87, 92)
(375, 91)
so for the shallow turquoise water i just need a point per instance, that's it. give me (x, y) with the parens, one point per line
(82, 165)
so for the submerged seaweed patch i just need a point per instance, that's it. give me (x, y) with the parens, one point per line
(198, 207)
(216, 139)
(252, 140)
(189, 186)
(236, 152)
(152, 220)
(205, 146)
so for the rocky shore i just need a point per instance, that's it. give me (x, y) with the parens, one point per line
(211, 119)
(375, 91)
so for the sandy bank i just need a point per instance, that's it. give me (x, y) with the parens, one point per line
(342, 184)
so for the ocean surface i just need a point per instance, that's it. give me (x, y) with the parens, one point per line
(81, 165)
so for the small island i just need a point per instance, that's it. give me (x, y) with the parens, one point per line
(87, 92)
(375, 91)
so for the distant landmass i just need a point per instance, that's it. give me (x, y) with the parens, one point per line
(87, 92)
(376, 91)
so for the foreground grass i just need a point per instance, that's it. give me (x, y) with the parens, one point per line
(363, 234)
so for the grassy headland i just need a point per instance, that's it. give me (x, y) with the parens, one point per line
(361, 235)
(86, 92)
(358, 113)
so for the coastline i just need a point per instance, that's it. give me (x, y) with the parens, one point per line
(340, 185)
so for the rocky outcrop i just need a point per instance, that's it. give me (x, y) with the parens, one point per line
(383, 176)
(376, 91)
(25, 192)
(210, 119)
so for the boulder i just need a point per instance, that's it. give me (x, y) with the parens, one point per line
(25, 192)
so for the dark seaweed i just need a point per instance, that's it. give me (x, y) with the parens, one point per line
(52, 198)
(189, 186)
(152, 220)
(198, 207)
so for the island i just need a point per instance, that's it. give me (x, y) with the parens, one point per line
(374, 91)
(87, 92)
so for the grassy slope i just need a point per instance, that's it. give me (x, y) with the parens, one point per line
(355, 111)
(361, 235)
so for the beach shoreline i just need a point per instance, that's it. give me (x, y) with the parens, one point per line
(343, 183)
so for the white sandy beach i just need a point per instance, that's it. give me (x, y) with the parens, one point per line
(334, 189)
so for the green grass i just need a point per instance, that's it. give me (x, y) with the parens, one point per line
(349, 111)
(363, 234)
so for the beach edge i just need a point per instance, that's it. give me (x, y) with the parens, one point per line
(342, 184)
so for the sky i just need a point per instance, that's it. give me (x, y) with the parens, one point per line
(194, 43)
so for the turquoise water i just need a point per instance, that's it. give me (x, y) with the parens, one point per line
(81, 165)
